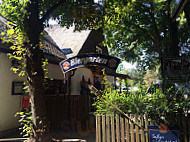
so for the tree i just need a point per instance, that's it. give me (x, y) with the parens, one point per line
(27, 21)
(144, 32)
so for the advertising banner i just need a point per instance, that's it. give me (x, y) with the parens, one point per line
(89, 60)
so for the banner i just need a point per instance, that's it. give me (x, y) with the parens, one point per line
(89, 60)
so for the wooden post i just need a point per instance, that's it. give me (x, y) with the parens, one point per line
(117, 128)
(112, 128)
(132, 130)
(122, 129)
(98, 130)
(142, 131)
(103, 128)
(146, 127)
(137, 128)
(185, 137)
(108, 128)
(127, 130)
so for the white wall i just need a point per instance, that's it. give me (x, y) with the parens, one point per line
(9, 104)
(75, 80)
(54, 71)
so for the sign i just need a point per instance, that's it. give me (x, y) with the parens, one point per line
(157, 134)
(17, 88)
(25, 102)
(89, 60)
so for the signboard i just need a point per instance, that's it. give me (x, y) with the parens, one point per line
(157, 134)
(25, 102)
(17, 88)
(177, 69)
(89, 60)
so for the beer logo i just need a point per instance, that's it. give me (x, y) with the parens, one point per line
(112, 63)
(66, 65)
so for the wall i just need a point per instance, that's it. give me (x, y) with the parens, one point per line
(75, 80)
(54, 71)
(9, 104)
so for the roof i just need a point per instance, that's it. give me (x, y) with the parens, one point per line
(49, 47)
(68, 38)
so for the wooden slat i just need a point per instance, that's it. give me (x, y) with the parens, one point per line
(132, 130)
(122, 129)
(185, 137)
(137, 129)
(112, 129)
(127, 130)
(103, 128)
(117, 128)
(188, 121)
(98, 130)
(108, 128)
(142, 130)
(146, 127)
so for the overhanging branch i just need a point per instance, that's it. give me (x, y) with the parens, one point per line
(47, 14)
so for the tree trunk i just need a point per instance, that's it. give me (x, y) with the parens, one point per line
(35, 72)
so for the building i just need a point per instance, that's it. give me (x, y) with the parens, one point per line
(79, 69)
(11, 90)
(67, 97)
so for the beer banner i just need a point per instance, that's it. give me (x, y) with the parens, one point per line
(89, 60)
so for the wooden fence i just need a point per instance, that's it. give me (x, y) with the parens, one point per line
(113, 128)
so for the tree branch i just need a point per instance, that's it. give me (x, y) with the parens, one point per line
(47, 14)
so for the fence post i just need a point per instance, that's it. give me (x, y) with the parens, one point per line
(108, 127)
(132, 129)
(103, 129)
(184, 126)
(137, 128)
(142, 130)
(112, 128)
(146, 127)
(127, 129)
(122, 129)
(98, 130)
(117, 128)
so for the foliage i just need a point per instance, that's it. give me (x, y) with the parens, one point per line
(143, 32)
(162, 108)
(26, 123)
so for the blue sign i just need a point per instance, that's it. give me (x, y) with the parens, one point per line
(158, 135)
(89, 60)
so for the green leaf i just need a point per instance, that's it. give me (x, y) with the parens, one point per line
(10, 32)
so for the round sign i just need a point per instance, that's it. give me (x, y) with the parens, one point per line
(66, 65)
(112, 63)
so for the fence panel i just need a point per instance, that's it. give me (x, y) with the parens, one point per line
(114, 128)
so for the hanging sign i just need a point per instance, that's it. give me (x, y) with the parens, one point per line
(89, 60)
(163, 134)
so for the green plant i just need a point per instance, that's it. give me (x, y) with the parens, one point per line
(164, 108)
(26, 123)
